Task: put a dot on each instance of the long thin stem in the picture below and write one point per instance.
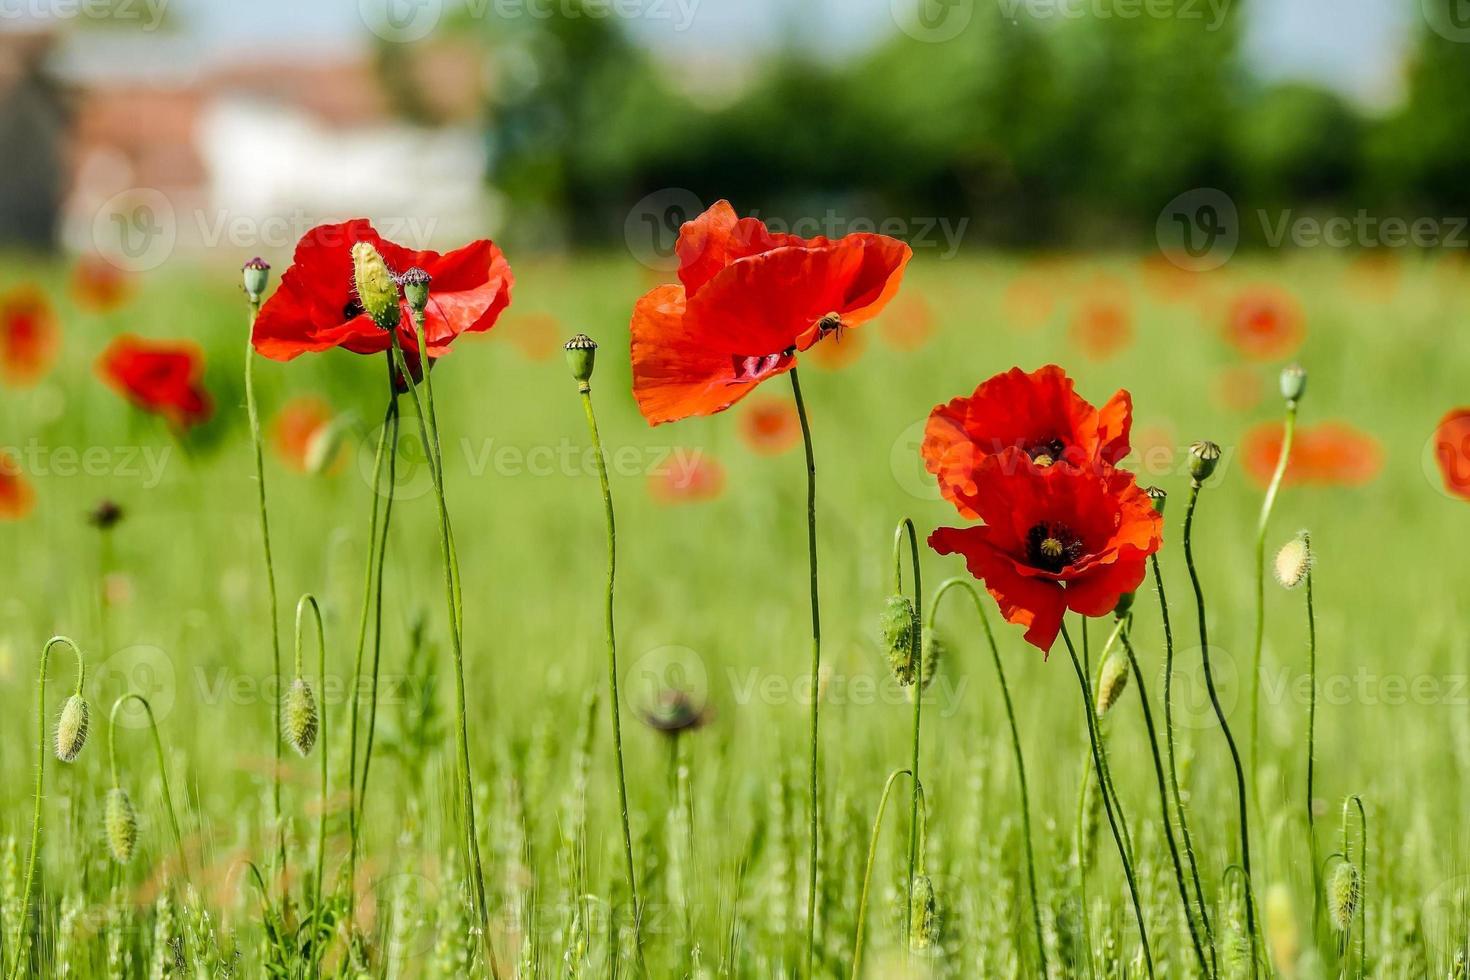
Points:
(1097, 763)
(467, 794)
(916, 654)
(382, 545)
(308, 601)
(1005, 692)
(1199, 891)
(585, 388)
(168, 799)
(1204, 648)
(1356, 800)
(25, 902)
(815, 787)
(1312, 739)
(1153, 744)
(1267, 504)
(857, 945)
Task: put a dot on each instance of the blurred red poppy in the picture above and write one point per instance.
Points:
(29, 336)
(316, 307)
(297, 430)
(1452, 451)
(687, 478)
(17, 498)
(162, 377)
(1053, 538)
(536, 335)
(1238, 388)
(748, 301)
(1328, 454)
(1039, 413)
(1102, 327)
(98, 285)
(1265, 323)
(909, 323)
(770, 426)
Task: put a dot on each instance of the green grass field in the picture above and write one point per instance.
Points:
(712, 597)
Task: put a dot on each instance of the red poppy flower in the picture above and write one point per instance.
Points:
(163, 377)
(1452, 451)
(1329, 454)
(297, 429)
(316, 307)
(1265, 323)
(1039, 413)
(29, 336)
(1053, 538)
(17, 499)
(748, 301)
(98, 285)
(770, 426)
(688, 478)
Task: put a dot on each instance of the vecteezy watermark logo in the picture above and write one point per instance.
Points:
(1211, 12)
(663, 671)
(405, 473)
(144, 670)
(136, 229)
(906, 463)
(1450, 19)
(1446, 456)
(1190, 689)
(932, 21)
(401, 21)
(1199, 229)
(652, 227)
(148, 14)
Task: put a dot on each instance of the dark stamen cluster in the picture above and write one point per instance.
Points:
(1051, 546)
(1047, 452)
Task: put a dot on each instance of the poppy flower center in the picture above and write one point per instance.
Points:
(1046, 453)
(1051, 546)
(755, 366)
(353, 308)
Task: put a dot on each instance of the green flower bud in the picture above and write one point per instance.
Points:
(376, 289)
(935, 650)
(924, 916)
(256, 273)
(1203, 458)
(1112, 683)
(1294, 561)
(120, 821)
(415, 283)
(299, 717)
(71, 729)
(1293, 382)
(1342, 896)
(898, 623)
(581, 357)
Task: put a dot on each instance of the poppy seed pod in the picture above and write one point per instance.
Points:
(256, 274)
(581, 357)
(299, 716)
(1203, 458)
(120, 821)
(1293, 382)
(924, 915)
(1294, 561)
(415, 283)
(1158, 497)
(898, 623)
(71, 729)
(1112, 683)
(376, 289)
(1342, 896)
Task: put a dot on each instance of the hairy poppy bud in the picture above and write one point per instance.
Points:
(898, 623)
(1203, 458)
(581, 357)
(1294, 561)
(120, 821)
(376, 289)
(299, 717)
(1158, 497)
(415, 283)
(71, 729)
(1112, 683)
(1342, 896)
(935, 650)
(256, 274)
(1293, 382)
(924, 916)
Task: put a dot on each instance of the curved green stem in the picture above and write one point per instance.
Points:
(25, 902)
(815, 787)
(168, 799)
(1005, 692)
(857, 949)
(1097, 762)
(308, 601)
(1204, 644)
(1356, 800)
(585, 389)
(1267, 504)
(916, 654)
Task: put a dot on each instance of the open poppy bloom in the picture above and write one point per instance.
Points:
(29, 337)
(1265, 323)
(748, 300)
(162, 377)
(1039, 413)
(16, 496)
(317, 308)
(1452, 451)
(1328, 454)
(1053, 538)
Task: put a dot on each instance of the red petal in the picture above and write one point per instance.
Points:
(1034, 603)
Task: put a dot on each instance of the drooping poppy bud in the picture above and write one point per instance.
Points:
(924, 915)
(299, 717)
(71, 729)
(898, 623)
(1342, 896)
(120, 821)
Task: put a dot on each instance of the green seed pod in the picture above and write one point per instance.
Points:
(415, 283)
(1112, 683)
(1158, 497)
(256, 274)
(898, 623)
(1294, 561)
(581, 357)
(71, 729)
(376, 289)
(120, 821)
(924, 916)
(1342, 896)
(299, 716)
(1203, 458)
(1293, 382)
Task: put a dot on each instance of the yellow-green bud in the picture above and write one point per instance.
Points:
(1112, 683)
(1293, 382)
(256, 273)
(898, 624)
(1203, 458)
(581, 357)
(71, 729)
(924, 915)
(1342, 896)
(120, 821)
(1294, 561)
(376, 289)
(415, 283)
(299, 716)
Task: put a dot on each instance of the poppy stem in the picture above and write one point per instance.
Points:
(1356, 800)
(1268, 503)
(308, 601)
(1204, 645)
(168, 800)
(1005, 692)
(916, 688)
(466, 779)
(23, 912)
(253, 412)
(815, 786)
(1312, 742)
(1199, 891)
(585, 388)
(1100, 769)
(857, 947)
